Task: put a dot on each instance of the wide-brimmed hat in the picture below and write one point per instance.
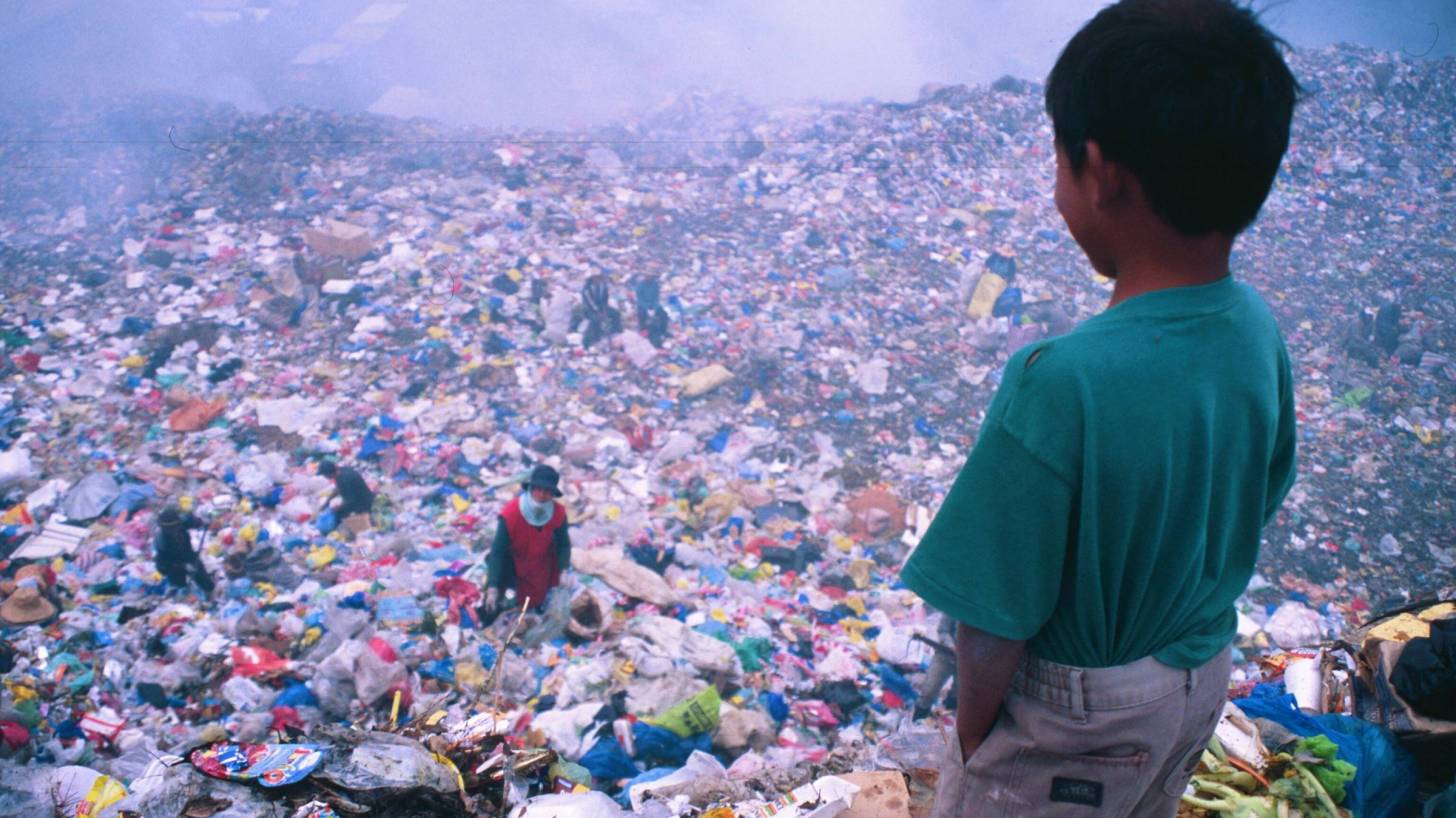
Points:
(544, 477)
(26, 607)
(170, 516)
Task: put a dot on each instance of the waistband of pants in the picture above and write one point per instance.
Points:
(1080, 689)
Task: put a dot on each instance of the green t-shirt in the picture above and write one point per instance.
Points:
(1112, 506)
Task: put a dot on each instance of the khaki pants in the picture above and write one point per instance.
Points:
(357, 523)
(1069, 741)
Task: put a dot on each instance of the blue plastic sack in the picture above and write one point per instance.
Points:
(658, 745)
(895, 683)
(488, 655)
(132, 497)
(1385, 777)
(372, 445)
(775, 705)
(442, 669)
(1007, 303)
(607, 761)
(296, 694)
(1003, 266)
(327, 522)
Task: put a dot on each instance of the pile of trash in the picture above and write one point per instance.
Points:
(807, 313)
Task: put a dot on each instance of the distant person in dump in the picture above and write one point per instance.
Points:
(1093, 545)
(531, 546)
(651, 317)
(355, 496)
(602, 319)
(175, 556)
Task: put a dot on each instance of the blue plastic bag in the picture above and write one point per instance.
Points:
(775, 705)
(1385, 774)
(1008, 303)
(607, 761)
(327, 522)
(488, 655)
(895, 683)
(296, 694)
(442, 669)
(658, 745)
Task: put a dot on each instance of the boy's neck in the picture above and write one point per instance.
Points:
(1163, 258)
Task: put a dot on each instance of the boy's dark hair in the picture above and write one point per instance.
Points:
(326, 468)
(1191, 96)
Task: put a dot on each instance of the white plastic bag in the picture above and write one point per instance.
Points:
(15, 466)
(570, 805)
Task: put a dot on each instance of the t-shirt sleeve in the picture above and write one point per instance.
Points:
(1282, 463)
(993, 557)
(561, 541)
(499, 568)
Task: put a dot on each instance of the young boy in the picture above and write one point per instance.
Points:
(1093, 545)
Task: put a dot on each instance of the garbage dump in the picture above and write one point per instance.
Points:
(754, 363)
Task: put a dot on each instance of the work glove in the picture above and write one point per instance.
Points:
(492, 600)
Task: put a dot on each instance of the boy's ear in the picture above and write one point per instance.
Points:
(1109, 179)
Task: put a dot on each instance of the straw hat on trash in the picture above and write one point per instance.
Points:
(26, 607)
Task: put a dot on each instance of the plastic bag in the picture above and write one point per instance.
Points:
(555, 614)
(390, 765)
(824, 798)
(607, 761)
(15, 466)
(90, 497)
(705, 380)
(565, 728)
(327, 522)
(658, 745)
(624, 575)
(1385, 774)
(983, 299)
(569, 805)
(703, 652)
(83, 791)
(1385, 782)
(696, 714)
(699, 765)
(245, 694)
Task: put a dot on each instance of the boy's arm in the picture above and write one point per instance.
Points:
(985, 665)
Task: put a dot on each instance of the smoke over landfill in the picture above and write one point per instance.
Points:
(308, 305)
(564, 63)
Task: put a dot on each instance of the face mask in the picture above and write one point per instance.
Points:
(537, 514)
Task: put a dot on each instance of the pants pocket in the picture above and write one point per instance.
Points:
(1185, 758)
(1053, 784)
(975, 787)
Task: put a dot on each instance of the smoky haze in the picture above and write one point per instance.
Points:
(566, 63)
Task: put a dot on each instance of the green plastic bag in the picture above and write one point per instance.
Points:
(697, 713)
(753, 653)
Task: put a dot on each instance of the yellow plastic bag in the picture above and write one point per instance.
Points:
(708, 378)
(321, 556)
(988, 289)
